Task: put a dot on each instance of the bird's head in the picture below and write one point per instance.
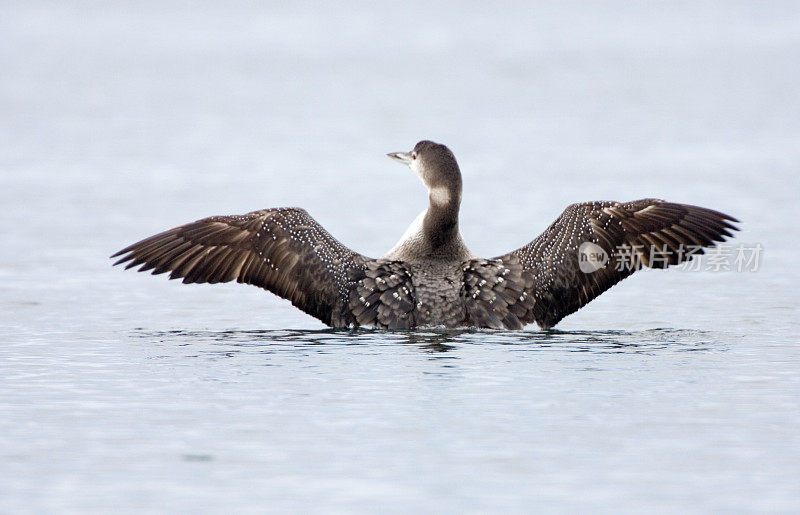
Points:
(436, 165)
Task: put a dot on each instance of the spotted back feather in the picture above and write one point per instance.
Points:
(383, 296)
(496, 293)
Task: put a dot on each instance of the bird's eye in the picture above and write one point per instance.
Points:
(413, 155)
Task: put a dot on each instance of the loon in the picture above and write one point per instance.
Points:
(430, 278)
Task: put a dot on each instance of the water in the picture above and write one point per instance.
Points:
(675, 391)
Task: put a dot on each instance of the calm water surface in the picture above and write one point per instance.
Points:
(674, 392)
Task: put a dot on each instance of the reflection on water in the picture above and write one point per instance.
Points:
(440, 340)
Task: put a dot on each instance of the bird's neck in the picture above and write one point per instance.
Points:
(434, 233)
(440, 224)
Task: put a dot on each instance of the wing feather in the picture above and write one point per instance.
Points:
(659, 233)
(282, 250)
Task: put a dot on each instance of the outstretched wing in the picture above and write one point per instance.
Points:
(281, 250)
(622, 238)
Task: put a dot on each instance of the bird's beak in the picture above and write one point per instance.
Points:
(402, 157)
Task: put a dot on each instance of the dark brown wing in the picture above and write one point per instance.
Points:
(281, 250)
(648, 232)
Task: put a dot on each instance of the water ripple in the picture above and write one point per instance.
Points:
(435, 341)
